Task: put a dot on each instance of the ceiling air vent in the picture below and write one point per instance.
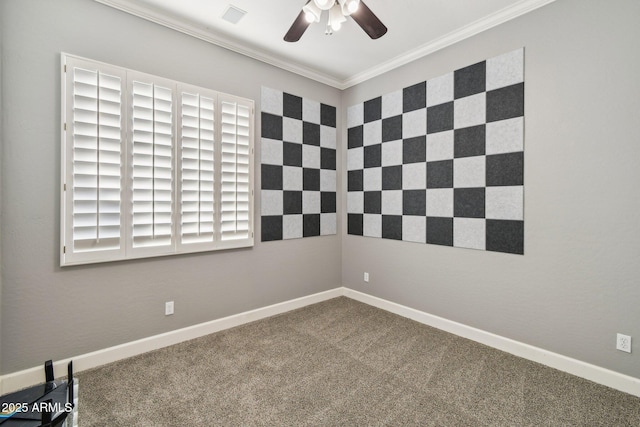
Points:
(233, 14)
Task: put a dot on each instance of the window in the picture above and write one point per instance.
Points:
(151, 166)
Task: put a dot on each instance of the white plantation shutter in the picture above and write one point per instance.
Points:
(92, 162)
(151, 170)
(151, 166)
(236, 133)
(196, 166)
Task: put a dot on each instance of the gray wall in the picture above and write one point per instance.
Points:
(575, 287)
(53, 313)
(578, 282)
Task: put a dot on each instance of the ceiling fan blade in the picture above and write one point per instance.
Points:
(369, 21)
(297, 29)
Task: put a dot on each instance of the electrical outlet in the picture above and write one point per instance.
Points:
(366, 277)
(623, 343)
(168, 308)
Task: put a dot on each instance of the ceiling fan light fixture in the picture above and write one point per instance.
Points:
(336, 18)
(312, 12)
(324, 4)
(349, 6)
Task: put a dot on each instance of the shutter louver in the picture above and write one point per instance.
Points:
(197, 140)
(96, 160)
(152, 165)
(235, 163)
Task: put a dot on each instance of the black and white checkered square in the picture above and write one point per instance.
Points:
(298, 172)
(441, 161)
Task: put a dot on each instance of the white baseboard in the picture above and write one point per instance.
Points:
(575, 367)
(17, 380)
(28, 377)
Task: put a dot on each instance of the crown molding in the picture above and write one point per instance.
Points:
(218, 40)
(453, 37)
(493, 20)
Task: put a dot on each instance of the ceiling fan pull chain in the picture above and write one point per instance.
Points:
(328, 31)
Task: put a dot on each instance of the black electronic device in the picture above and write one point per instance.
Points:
(43, 405)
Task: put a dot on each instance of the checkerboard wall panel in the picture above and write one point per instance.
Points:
(441, 162)
(298, 167)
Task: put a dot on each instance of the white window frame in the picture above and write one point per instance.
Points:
(181, 239)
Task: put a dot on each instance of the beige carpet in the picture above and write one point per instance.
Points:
(345, 363)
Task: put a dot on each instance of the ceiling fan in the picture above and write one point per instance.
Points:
(338, 10)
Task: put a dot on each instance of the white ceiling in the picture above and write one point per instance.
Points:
(349, 56)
